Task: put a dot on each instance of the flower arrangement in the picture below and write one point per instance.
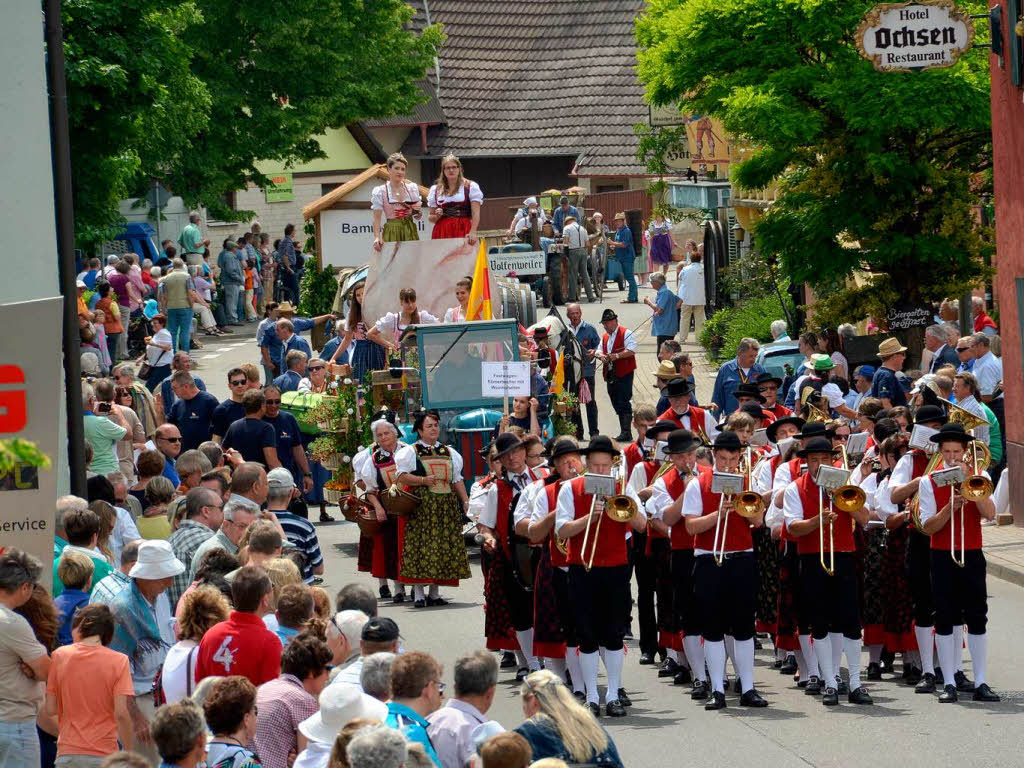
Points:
(565, 406)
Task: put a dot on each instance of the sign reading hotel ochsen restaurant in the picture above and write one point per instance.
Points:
(925, 34)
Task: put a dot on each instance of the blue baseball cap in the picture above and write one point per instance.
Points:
(150, 309)
(867, 371)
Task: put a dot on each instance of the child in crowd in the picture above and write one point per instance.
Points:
(75, 573)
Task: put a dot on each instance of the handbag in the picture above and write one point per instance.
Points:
(144, 371)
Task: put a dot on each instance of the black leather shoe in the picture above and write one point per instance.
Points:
(948, 695)
(984, 693)
(757, 645)
(927, 684)
(802, 683)
(831, 697)
(595, 710)
(913, 676)
(508, 660)
(682, 676)
(813, 686)
(963, 683)
(859, 696)
(624, 700)
(398, 598)
(737, 687)
(699, 691)
(615, 709)
(843, 687)
(385, 592)
(432, 601)
(325, 518)
(521, 674)
(419, 603)
(940, 679)
(717, 701)
(752, 699)
(646, 659)
(874, 671)
(777, 664)
(788, 666)
(581, 697)
(668, 669)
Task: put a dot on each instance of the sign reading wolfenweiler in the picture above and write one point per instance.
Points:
(926, 34)
(522, 263)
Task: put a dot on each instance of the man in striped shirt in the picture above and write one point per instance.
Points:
(300, 532)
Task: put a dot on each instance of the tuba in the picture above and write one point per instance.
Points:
(619, 507)
(962, 416)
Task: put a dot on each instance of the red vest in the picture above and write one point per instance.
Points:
(779, 411)
(611, 543)
(921, 460)
(972, 522)
(558, 560)
(697, 419)
(501, 529)
(769, 417)
(624, 365)
(842, 527)
(676, 486)
(737, 535)
(634, 455)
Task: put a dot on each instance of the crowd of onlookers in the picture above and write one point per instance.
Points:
(219, 654)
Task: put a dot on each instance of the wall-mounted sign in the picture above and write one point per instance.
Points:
(280, 189)
(903, 318)
(528, 263)
(348, 236)
(665, 115)
(926, 34)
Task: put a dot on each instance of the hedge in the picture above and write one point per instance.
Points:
(750, 317)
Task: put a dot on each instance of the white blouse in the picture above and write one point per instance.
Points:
(391, 322)
(476, 195)
(454, 315)
(405, 459)
(383, 192)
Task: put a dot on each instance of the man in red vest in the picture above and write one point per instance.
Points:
(687, 416)
(666, 506)
(958, 564)
(617, 354)
(768, 385)
(904, 483)
(829, 600)
(598, 573)
(724, 580)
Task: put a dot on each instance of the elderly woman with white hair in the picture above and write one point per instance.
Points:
(377, 747)
(375, 469)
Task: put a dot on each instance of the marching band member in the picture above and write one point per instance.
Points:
(651, 559)
(686, 416)
(665, 507)
(768, 385)
(750, 394)
(599, 594)
(904, 484)
(727, 602)
(959, 592)
(375, 467)
(509, 596)
(431, 549)
(554, 625)
(617, 354)
(829, 601)
(640, 449)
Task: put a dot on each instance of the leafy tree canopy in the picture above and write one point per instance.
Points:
(878, 172)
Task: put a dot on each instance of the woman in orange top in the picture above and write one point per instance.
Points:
(111, 318)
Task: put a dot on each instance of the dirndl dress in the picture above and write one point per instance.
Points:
(767, 553)
(873, 616)
(457, 216)
(400, 225)
(431, 549)
(367, 355)
(661, 249)
(899, 610)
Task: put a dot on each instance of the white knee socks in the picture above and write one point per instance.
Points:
(744, 659)
(947, 659)
(836, 639)
(978, 645)
(525, 638)
(925, 646)
(433, 593)
(521, 660)
(695, 655)
(572, 661)
(613, 666)
(588, 665)
(958, 646)
(715, 653)
(852, 649)
(810, 657)
(417, 592)
(828, 677)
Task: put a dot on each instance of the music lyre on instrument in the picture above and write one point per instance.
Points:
(618, 506)
(728, 486)
(834, 483)
(953, 477)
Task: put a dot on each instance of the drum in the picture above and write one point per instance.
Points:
(399, 502)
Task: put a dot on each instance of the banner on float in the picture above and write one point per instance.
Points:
(523, 263)
(347, 235)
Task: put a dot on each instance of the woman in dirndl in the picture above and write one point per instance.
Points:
(459, 314)
(659, 232)
(430, 545)
(398, 202)
(454, 203)
(367, 355)
(375, 468)
(387, 332)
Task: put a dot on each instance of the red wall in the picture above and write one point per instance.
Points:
(1008, 156)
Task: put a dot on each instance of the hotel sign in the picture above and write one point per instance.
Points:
(926, 34)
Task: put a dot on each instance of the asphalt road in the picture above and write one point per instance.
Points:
(664, 726)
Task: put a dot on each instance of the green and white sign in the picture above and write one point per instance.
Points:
(280, 189)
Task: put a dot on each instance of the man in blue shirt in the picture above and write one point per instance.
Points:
(165, 392)
(884, 384)
(626, 254)
(665, 324)
(965, 355)
(416, 692)
(741, 370)
(252, 436)
(289, 440)
(563, 211)
(295, 361)
(232, 280)
(287, 261)
(587, 336)
(192, 412)
(230, 410)
(290, 339)
(168, 441)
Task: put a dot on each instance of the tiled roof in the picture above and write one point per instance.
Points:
(428, 112)
(537, 78)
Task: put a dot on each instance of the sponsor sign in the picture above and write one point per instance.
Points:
(280, 189)
(927, 34)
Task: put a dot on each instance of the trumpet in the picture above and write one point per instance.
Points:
(619, 507)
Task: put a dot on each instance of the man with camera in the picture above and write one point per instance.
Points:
(104, 426)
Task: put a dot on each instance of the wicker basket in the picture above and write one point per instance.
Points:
(334, 496)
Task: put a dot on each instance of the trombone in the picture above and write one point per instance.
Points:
(620, 508)
(748, 504)
(846, 498)
(975, 487)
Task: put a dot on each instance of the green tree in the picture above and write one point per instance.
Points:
(879, 173)
(279, 73)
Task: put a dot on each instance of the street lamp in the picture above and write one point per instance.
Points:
(738, 232)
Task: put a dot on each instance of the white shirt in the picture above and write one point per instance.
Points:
(903, 472)
(156, 356)
(359, 469)
(690, 284)
(661, 499)
(832, 393)
(454, 315)
(477, 494)
(693, 506)
(988, 370)
(762, 477)
(489, 509)
(792, 506)
(317, 754)
(391, 322)
(565, 511)
(628, 340)
(926, 499)
(575, 235)
(381, 193)
(882, 502)
(124, 531)
(476, 195)
(405, 460)
(524, 507)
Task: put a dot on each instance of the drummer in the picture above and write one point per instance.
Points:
(375, 468)
(430, 545)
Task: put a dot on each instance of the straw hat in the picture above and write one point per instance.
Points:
(890, 347)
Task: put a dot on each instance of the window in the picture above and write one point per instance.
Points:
(325, 188)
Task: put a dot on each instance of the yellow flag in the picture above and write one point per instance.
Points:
(480, 294)
(558, 380)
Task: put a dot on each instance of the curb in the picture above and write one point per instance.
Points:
(1004, 572)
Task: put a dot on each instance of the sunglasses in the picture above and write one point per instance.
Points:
(440, 687)
(273, 402)
(316, 368)
(171, 439)
(962, 349)
(238, 382)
